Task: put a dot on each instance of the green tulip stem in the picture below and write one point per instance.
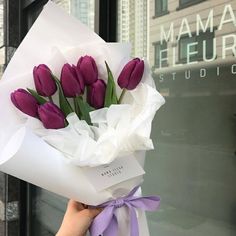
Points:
(121, 96)
(76, 106)
(50, 99)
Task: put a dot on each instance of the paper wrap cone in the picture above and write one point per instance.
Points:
(36, 162)
(55, 39)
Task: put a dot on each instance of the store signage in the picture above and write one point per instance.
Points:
(223, 44)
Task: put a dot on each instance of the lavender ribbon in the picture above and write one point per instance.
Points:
(106, 222)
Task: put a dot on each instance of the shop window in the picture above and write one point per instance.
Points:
(196, 47)
(161, 7)
(160, 54)
(187, 3)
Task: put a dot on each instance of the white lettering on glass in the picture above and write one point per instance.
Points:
(162, 58)
(173, 75)
(161, 78)
(228, 47)
(191, 52)
(203, 72)
(208, 25)
(205, 51)
(184, 29)
(233, 69)
(169, 35)
(187, 74)
(217, 70)
(227, 10)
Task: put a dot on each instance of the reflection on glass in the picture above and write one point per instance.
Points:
(160, 50)
(132, 26)
(186, 3)
(84, 11)
(81, 9)
(196, 46)
(161, 7)
(193, 167)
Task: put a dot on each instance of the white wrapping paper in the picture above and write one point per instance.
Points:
(50, 158)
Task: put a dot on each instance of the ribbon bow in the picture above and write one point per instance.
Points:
(106, 223)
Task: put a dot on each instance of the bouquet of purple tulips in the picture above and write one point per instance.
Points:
(80, 83)
(83, 121)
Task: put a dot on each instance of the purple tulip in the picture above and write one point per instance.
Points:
(71, 81)
(25, 102)
(44, 83)
(96, 94)
(88, 68)
(131, 74)
(51, 116)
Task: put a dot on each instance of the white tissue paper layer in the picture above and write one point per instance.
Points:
(53, 159)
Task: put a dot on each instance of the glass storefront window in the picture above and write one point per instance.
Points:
(132, 26)
(197, 45)
(81, 9)
(160, 50)
(189, 2)
(193, 165)
(161, 7)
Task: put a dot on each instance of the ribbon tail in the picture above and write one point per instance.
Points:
(112, 229)
(134, 227)
(102, 221)
(150, 203)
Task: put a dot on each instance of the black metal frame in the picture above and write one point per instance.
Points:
(108, 20)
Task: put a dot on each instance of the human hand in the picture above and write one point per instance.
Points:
(77, 219)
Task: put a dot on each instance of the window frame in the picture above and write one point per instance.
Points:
(189, 4)
(160, 13)
(157, 62)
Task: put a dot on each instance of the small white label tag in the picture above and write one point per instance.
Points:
(121, 169)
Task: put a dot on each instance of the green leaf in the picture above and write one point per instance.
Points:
(110, 97)
(84, 109)
(40, 99)
(88, 107)
(64, 104)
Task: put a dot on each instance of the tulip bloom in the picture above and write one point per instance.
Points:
(51, 116)
(96, 94)
(71, 81)
(88, 68)
(25, 102)
(131, 74)
(44, 83)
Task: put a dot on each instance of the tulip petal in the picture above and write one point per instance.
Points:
(88, 68)
(71, 81)
(96, 94)
(44, 83)
(51, 116)
(136, 76)
(131, 74)
(25, 102)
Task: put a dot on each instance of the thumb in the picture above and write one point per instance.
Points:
(91, 212)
